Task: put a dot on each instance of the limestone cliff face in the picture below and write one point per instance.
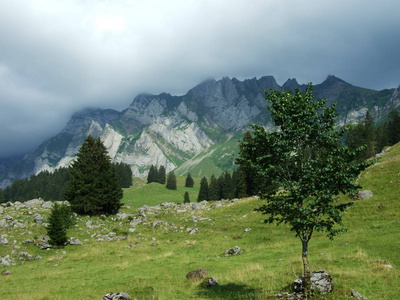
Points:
(180, 132)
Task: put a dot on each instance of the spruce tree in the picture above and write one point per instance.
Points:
(189, 181)
(60, 220)
(94, 187)
(239, 183)
(203, 192)
(171, 181)
(2, 198)
(186, 198)
(151, 176)
(213, 189)
(161, 175)
(124, 172)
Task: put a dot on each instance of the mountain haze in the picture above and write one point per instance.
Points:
(196, 132)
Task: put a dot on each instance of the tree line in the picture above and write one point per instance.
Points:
(51, 185)
(373, 138)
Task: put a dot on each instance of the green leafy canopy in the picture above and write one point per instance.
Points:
(304, 161)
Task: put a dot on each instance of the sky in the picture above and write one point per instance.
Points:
(59, 57)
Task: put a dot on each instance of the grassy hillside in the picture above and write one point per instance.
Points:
(151, 263)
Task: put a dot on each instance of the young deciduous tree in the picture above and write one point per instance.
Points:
(306, 164)
(94, 187)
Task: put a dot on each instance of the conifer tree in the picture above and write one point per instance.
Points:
(2, 198)
(94, 187)
(213, 189)
(161, 175)
(151, 176)
(171, 181)
(60, 220)
(203, 192)
(124, 172)
(189, 181)
(239, 184)
(186, 198)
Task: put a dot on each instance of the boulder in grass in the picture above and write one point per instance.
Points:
(197, 275)
(116, 296)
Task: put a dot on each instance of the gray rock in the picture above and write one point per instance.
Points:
(48, 205)
(233, 251)
(3, 223)
(25, 256)
(210, 282)
(197, 274)
(320, 281)
(74, 241)
(365, 194)
(1, 210)
(3, 239)
(193, 231)
(116, 296)
(43, 242)
(6, 272)
(34, 203)
(6, 260)
(357, 295)
(38, 219)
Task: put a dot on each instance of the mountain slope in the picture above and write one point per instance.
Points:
(196, 132)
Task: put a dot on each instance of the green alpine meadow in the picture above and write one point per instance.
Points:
(148, 248)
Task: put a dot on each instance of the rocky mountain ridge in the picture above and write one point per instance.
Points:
(196, 132)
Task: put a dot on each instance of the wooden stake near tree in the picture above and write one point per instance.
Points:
(308, 167)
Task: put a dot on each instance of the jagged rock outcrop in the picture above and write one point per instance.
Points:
(183, 132)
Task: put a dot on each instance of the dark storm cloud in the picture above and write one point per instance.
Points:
(57, 57)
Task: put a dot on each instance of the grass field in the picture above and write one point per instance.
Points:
(153, 261)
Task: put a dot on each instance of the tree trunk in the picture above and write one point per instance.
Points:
(306, 266)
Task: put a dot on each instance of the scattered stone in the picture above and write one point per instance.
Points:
(357, 295)
(3, 239)
(28, 241)
(43, 242)
(247, 229)
(116, 296)
(289, 296)
(1, 210)
(74, 241)
(320, 281)
(233, 251)
(25, 256)
(3, 223)
(34, 203)
(6, 272)
(154, 244)
(389, 266)
(48, 205)
(197, 274)
(38, 219)
(6, 260)
(210, 282)
(365, 194)
(193, 231)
